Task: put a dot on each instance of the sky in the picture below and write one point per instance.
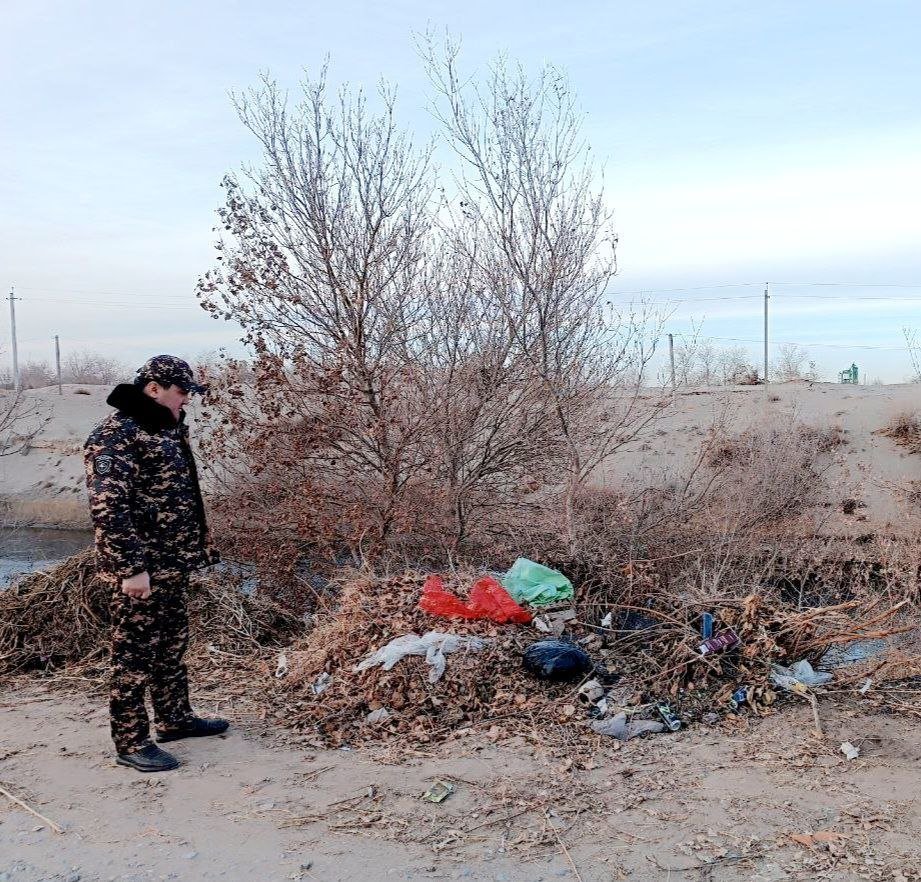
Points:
(743, 143)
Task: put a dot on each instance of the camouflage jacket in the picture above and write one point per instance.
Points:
(145, 499)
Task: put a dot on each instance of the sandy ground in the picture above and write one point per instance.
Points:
(708, 804)
(45, 487)
(869, 467)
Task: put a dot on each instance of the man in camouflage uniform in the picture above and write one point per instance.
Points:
(150, 534)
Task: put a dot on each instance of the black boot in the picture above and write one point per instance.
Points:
(197, 727)
(148, 758)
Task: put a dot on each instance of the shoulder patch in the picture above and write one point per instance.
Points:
(102, 464)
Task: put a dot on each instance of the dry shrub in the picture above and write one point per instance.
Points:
(905, 430)
(60, 618)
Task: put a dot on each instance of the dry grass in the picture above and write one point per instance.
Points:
(60, 618)
(905, 430)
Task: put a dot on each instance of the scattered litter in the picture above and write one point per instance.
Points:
(724, 640)
(439, 791)
(433, 645)
(533, 583)
(710, 718)
(798, 677)
(803, 672)
(739, 697)
(849, 750)
(488, 600)
(556, 660)
(865, 688)
(381, 715)
(607, 620)
(618, 727)
(591, 692)
(320, 685)
(706, 626)
(282, 667)
(669, 717)
(555, 622)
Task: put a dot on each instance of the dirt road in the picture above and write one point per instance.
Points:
(709, 804)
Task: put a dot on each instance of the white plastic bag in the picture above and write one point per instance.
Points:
(433, 645)
(799, 672)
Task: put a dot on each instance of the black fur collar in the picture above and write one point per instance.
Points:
(147, 413)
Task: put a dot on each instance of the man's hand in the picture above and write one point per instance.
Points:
(137, 586)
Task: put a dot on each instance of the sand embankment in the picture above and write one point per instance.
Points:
(45, 485)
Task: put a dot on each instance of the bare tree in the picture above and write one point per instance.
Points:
(21, 420)
(793, 363)
(492, 432)
(93, 368)
(914, 352)
(735, 367)
(35, 374)
(529, 196)
(323, 259)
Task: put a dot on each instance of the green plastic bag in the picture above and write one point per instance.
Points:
(533, 583)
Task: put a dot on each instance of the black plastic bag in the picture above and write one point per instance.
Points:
(556, 660)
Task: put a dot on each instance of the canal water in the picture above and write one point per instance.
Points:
(24, 549)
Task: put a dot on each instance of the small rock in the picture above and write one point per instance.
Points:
(73, 877)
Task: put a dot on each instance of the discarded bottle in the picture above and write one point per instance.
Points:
(706, 626)
(724, 640)
(739, 697)
(664, 710)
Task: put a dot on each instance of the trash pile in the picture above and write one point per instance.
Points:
(408, 656)
(421, 658)
(59, 618)
(384, 664)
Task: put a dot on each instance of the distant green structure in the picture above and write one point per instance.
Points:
(849, 375)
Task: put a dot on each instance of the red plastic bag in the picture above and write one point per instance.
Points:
(488, 600)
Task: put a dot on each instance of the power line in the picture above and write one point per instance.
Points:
(93, 291)
(114, 304)
(803, 343)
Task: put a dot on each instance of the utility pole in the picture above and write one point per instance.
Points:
(57, 361)
(766, 298)
(13, 299)
(671, 357)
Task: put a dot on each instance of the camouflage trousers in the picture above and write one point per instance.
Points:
(149, 639)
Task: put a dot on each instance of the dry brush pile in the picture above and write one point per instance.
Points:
(59, 619)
